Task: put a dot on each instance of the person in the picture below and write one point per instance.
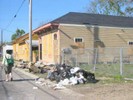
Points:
(8, 66)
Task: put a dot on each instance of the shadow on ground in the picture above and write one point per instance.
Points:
(18, 80)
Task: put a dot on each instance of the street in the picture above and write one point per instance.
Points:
(23, 87)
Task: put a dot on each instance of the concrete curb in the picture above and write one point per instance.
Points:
(26, 73)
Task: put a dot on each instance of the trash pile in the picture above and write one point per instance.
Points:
(67, 75)
(63, 74)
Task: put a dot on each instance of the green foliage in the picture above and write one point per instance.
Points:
(111, 7)
(13, 36)
(17, 34)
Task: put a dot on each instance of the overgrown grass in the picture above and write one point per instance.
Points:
(110, 71)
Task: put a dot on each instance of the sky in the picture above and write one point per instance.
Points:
(43, 11)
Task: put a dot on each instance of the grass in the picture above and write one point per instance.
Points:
(110, 72)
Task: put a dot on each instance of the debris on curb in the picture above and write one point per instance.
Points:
(35, 88)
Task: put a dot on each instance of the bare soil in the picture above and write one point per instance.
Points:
(110, 91)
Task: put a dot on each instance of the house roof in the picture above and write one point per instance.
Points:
(95, 19)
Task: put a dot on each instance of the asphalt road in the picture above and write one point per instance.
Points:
(23, 87)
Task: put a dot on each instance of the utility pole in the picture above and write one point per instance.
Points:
(30, 30)
(1, 37)
(1, 42)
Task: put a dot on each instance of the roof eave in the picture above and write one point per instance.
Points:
(45, 27)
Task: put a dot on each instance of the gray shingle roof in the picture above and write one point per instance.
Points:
(95, 19)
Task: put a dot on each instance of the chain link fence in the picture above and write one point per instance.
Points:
(103, 61)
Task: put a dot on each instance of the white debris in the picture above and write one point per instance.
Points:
(58, 86)
(73, 80)
(39, 81)
(35, 88)
(74, 70)
(64, 82)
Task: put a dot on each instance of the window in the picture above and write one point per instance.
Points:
(78, 39)
(130, 42)
(55, 36)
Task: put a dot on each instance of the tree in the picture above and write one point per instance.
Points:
(17, 34)
(14, 36)
(111, 7)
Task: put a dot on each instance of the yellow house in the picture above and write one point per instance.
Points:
(83, 30)
(21, 47)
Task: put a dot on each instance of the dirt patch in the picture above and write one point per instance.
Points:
(111, 91)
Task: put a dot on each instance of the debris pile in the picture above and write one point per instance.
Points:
(62, 74)
(67, 75)
(21, 64)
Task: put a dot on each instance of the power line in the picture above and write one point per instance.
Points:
(6, 30)
(15, 15)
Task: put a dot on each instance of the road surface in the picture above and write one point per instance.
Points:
(23, 87)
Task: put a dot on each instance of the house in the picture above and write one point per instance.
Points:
(6, 47)
(83, 30)
(21, 47)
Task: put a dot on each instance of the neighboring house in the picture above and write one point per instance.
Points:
(82, 30)
(21, 47)
(6, 47)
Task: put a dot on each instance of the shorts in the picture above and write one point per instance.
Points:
(8, 69)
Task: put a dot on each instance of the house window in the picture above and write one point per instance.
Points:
(55, 36)
(130, 42)
(78, 39)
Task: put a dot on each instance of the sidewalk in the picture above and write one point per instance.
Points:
(26, 73)
(39, 80)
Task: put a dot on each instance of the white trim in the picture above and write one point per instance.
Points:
(79, 37)
(95, 26)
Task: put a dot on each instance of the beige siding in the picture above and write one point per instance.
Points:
(96, 36)
(115, 37)
(92, 37)
(68, 33)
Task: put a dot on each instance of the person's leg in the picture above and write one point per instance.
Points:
(7, 77)
(6, 74)
(10, 73)
(10, 76)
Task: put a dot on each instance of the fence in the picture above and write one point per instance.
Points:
(104, 61)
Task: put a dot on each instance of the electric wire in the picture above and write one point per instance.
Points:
(15, 15)
(6, 30)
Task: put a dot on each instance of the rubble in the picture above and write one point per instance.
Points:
(35, 88)
(58, 87)
(61, 74)
(21, 64)
(74, 74)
